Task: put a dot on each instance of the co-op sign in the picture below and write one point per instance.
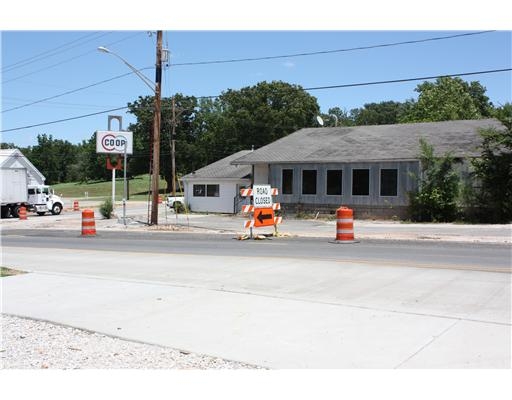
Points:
(114, 142)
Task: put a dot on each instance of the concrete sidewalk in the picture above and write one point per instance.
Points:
(225, 223)
(284, 313)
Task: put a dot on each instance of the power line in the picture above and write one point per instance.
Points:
(52, 52)
(314, 53)
(233, 61)
(72, 91)
(313, 88)
(67, 60)
(64, 120)
(407, 79)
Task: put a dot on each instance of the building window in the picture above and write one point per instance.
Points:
(287, 181)
(309, 181)
(199, 190)
(360, 182)
(389, 182)
(206, 190)
(212, 190)
(334, 182)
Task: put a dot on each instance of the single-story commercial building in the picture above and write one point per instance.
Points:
(14, 159)
(216, 187)
(368, 168)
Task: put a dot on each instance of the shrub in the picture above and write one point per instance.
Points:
(436, 197)
(106, 209)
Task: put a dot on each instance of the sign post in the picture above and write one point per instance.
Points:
(120, 143)
(262, 207)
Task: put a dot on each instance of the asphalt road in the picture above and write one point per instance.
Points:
(444, 255)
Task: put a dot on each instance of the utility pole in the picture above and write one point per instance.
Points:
(173, 148)
(156, 131)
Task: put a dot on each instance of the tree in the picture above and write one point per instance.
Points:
(255, 116)
(336, 114)
(436, 197)
(448, 99)
(383, 113)
(53, 157)
(186, 138)
(492, 197)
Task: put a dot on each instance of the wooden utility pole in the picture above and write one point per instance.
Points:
(156, 131)
(173, 148)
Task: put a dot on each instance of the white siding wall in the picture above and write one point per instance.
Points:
(221, 204)
(261, 174)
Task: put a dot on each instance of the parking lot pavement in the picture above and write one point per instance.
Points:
(233, 224)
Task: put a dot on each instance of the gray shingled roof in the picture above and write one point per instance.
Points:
(222, 169)
(372, 143)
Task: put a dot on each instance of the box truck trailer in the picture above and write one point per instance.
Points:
(17, 193)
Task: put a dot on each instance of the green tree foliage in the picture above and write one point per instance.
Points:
(438, 188)
(448, 99)
(187, 154)
(55, 158)
(492, 196)
(383, 113)
(504, 114)
(258, 115)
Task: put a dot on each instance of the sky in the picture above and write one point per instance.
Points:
(66, 68)
(52, 71)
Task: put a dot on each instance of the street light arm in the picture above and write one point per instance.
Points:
(144, 78)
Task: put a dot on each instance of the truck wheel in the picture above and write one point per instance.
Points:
(56, 209)
(5, 212)
(15, 211)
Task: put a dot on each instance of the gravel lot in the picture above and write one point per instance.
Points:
(30, 344)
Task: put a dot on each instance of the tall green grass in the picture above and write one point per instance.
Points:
(138, 188)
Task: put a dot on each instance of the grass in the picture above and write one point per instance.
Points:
(138, 188)
(4, 271)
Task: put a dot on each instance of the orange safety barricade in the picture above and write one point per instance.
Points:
(22, 213)
(344, 224)
(88, 223)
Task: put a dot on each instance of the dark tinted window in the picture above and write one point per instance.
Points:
(287, 182)
(212, 190)
(388, 182)
(360, 182)
(309, 181)
(334, 182)
(199, 191)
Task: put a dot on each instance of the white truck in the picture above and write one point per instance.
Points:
(175, 201)
(42, 199)
(16, 193)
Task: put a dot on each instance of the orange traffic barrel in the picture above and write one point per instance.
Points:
(88, 224)
(22, 213)
(75, 206)
(344, 225)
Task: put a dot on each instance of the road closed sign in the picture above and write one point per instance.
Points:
(114, 142)
(262, 196)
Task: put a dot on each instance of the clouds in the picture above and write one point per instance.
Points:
(288, 64)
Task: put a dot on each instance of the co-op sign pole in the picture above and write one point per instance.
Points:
(116, 142)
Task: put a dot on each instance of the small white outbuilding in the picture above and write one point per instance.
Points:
(14, 158)
(216, 187)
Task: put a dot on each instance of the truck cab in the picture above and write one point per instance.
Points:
(42, 199)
